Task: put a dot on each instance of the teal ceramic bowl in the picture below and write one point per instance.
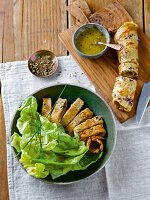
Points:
(90, 26)
(99, 107)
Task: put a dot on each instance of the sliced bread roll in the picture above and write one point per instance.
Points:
(128, 69)
(123, 93)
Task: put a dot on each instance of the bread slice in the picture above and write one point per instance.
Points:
(123, 93)
(59, 110)
(81, 117)
(72, 112)
(128, 69)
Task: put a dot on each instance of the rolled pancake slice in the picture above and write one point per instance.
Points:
(72, 112)
(128, 69)
(127, 31)
(95, 149)
(88, 123)
(59, 110)
(46, 108)
(129, 53)
(81, 117)
(95, 130)
(123, 93)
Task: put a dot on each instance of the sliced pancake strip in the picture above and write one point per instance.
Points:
(88, 123)
(95, 130)
(59, 110)
(81, 117)
(46, 108)
(123, 93)
(128, 70)
(72, 112)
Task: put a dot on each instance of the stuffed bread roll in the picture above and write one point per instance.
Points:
(128, 70)
(127, 36)
(127, 31)
(128, 41)
(129, 53)
(46, 108)
(59, 110)
(123, 93)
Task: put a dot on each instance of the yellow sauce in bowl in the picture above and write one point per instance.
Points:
(85, 42)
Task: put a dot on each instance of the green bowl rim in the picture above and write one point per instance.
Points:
(95, 55)
(115, 134)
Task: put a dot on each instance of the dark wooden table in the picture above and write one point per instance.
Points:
(29, 25)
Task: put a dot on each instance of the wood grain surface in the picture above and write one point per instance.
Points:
(146, 17)
(29, 25)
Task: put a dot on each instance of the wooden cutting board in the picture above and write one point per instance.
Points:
(102, 72)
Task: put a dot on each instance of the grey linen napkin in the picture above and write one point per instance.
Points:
(126, 176)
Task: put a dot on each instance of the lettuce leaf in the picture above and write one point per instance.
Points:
(60, 152)
(28, 121)
(15, 141)
(31, 102)
(86, 161)
(57, 171)
(37, 170)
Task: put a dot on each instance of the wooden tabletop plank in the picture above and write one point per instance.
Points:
(2, 14)
(8, 36)
(36, 26)
(135, 9)
(3, 157)
(71, 19)
(147, 17)
(17, 28)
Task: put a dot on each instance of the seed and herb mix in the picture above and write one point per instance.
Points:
(42, 66)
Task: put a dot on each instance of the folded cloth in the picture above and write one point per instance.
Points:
(126, 176)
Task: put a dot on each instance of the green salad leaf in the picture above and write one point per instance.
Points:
(60, 152)
(31, 102)
(37, 169)
(15, 141)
